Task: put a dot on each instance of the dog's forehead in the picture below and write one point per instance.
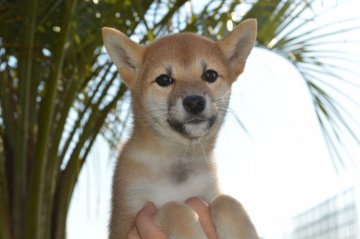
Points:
(183, 47)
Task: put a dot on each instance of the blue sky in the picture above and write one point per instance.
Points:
(277, 170)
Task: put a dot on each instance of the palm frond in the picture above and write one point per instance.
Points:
(318, 52)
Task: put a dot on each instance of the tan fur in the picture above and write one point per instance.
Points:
(168, 157)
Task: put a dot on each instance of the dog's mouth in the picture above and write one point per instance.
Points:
(192, 127)
(195, 120)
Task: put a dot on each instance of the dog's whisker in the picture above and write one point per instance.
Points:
(202, 148)
(159, 109)
(193, 152)
(222, 99)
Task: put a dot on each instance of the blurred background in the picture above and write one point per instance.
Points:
(289, 149)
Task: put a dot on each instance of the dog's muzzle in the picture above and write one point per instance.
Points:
(203, 124)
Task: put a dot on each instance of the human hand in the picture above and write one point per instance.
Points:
(145, 227)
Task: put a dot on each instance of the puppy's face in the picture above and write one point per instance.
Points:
(181, 83)
(183, 86)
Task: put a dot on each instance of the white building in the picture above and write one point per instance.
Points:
(335, 218)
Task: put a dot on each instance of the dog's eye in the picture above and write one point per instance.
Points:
(164, 80)
(210, 76)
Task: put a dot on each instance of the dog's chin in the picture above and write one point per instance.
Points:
(194, 128)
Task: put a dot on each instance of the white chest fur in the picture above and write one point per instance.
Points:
(163, 189)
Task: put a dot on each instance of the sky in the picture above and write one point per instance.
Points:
(283, 167)
(280, 168)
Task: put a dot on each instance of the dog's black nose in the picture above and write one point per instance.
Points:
(194, 104)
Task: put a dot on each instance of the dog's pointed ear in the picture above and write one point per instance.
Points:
(238, 45)
(126, 54)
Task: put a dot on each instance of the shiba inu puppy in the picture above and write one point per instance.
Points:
(180, 87)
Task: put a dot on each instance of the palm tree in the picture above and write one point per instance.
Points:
(59, 91)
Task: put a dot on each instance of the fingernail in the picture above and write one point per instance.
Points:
(149, 204)
(150, 207)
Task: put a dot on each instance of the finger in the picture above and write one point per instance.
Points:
(203, 210)
(145, 223)
(133, 234)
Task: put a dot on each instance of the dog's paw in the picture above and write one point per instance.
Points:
(230, 219)
(179, 221)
